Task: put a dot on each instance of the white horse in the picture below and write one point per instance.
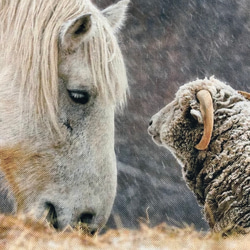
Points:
(62, 76)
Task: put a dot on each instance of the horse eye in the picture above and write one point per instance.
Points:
(78, 96)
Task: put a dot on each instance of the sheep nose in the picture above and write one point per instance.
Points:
(60, 219)
(151, 129)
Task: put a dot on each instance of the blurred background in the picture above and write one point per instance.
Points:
(167, 43)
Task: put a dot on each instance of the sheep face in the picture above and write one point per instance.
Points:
(169, 126)
(177, 125)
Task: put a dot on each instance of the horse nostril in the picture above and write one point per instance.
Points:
(84, 223)
(93, 232)
(151, 129)
(52, 215)
(86, 218)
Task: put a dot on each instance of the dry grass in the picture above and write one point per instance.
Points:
(22, 233)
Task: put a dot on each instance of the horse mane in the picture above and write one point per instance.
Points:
(29, 42)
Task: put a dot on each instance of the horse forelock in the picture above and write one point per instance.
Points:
(29, 33)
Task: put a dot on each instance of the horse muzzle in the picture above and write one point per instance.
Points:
(62, 217)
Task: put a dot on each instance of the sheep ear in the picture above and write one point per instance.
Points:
(116, 14)
(75, 31)
(197, 115)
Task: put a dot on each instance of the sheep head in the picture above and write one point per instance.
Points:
(178, 125)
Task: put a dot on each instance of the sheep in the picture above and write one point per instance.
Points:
(207, 129)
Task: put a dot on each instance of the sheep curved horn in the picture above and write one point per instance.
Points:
(207, 112)
(245, 94)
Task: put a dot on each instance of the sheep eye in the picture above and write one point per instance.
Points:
(78, 96)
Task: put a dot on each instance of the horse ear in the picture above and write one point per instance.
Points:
(116, 14)
(75, 31)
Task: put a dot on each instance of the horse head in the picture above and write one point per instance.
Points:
(57, 144)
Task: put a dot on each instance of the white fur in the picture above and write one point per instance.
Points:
(61, 152)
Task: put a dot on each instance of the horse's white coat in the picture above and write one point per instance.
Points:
(73, 168)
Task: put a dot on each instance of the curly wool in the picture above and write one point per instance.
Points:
(220, 175)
